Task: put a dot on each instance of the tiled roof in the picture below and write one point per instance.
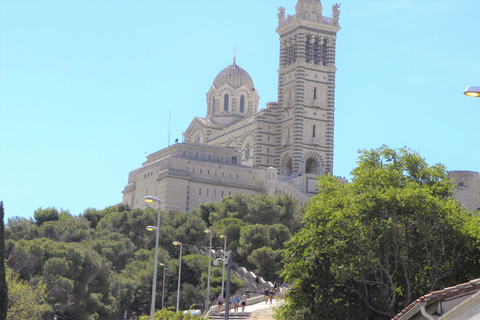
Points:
(441, 295)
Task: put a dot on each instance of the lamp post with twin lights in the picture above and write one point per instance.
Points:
(224, 253)
(209, 262)
(150, 199)
(163, 286)
(178, 243)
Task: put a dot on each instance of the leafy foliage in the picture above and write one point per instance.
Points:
(167, 314)
(99, 264)
(25, 301)
(370, 247)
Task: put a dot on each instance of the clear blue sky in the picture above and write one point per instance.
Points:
(86, 86)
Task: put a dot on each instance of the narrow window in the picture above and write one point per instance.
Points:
(324, 54)
(234, 160)
(225, 102)
(199, 191)
(247, 152)
(313, 131)
(242, 103)
(315, 93)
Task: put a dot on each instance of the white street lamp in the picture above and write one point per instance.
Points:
(150, 199)
(472, 91)
(209, 262)
(177, 243)
(224, 252)
(163, 283)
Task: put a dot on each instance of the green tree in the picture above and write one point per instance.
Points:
(77, 278)
(267, 261)
(230, 227)
(3, 279)
(370, 247)
(44, 215)
(26, 301)
(167, 314)
(20, 228)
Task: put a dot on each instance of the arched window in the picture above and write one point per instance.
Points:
(225, 102)
(289, 167)
(247, 152)
(242, 103)
(324, 54)
(310, 166)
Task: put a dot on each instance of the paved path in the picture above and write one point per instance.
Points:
(258, 311)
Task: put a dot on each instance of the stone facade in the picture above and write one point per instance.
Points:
(280, 149)
(467, 188)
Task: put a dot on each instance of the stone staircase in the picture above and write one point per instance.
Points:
(218, 316)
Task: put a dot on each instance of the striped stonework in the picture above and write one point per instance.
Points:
(236, 148)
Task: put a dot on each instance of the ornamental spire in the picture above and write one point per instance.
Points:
(234, 59)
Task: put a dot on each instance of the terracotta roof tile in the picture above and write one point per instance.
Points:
(441, 294)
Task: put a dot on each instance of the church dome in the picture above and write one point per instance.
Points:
(234, 76)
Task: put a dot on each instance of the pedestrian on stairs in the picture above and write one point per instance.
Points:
(236, 303)
(244, 303)
(220, 302)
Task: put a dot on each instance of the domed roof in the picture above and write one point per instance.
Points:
(234, 76)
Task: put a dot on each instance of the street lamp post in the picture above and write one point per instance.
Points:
(209, 262)
(177, 243)
(150, 199)
(163, 283)
(224, 252)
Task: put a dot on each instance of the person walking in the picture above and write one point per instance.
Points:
(220, 302)
(236, 303)
(244, 303)
(266, 294)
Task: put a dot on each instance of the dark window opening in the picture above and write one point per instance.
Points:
(225, 102)
(242, 103)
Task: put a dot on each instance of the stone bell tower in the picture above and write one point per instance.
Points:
(306, 89)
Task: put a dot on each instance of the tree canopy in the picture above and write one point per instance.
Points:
(99, 264)
(370, 247)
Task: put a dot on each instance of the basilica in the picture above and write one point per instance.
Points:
(237, 148)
